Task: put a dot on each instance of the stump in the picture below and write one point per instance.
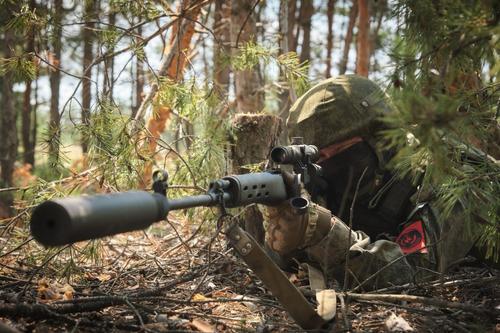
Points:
(253, 136)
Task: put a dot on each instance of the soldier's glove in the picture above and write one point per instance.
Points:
(288, 230)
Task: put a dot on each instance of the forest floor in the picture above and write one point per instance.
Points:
(178, 278)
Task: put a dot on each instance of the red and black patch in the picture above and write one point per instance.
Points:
(412, 238)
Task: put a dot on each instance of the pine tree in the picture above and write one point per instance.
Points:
(353, 14)
(362, 38)
(28, 116)
(55, 83)
(447, 95)
(87, 35)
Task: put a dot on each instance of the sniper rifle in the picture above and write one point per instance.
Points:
(64, 221)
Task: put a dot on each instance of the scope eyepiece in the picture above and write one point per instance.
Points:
(294, 153)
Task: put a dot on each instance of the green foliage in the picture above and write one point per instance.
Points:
(252, 54)
(23, 20)
(22, 67)
(51, 143)
(45, 171)
(204, 160)
(137, 8)
(446, 111)
(111, 148)
(448, 37)
(109, 37)
(203, 157)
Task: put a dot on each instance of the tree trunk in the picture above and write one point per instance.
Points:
(292, 21)
(306, 12)
(363, 39)
(87, 34)
(253, 136)
(374, 33)
(330, 12)
(8, 148)
(34, 123)
(252, 133)
(222, 49)
(8, 127)
(248, 87)
(286, 96)
(27, 114)
(139, 80)
(28, 148)
(172, 67)
(55, 82)
(109, 63)
(353, 14)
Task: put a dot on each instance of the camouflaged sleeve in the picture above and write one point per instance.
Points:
(287, 230)
(374, 265)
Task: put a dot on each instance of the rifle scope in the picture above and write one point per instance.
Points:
(295, 153)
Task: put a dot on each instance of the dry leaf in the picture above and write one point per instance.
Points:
(103, 277)
(200, 298)
(202, 326)
(22, 175)
(48, 291)
(68, 292)
(397, 324)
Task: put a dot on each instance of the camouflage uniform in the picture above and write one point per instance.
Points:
(341, 116)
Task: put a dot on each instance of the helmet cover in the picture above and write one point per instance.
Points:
(337, 109)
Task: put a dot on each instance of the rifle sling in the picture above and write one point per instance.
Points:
(274, 279)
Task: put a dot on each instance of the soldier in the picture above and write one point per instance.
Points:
(398, 238)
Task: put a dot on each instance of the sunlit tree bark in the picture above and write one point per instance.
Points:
(353, 14)
(330, 12)
(291, 23)
(306, 13)
(139, 80)
(172, 68)
(248, 86)
(363, 39)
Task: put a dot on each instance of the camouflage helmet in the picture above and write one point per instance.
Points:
(337, 109)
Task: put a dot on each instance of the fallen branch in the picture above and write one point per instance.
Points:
(423, 300)
(438, 284)
(55, 182)
(35, 311)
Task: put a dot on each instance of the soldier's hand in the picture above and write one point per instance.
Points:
(287, 229)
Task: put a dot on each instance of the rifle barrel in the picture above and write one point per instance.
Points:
(195, 201)
(68, 220)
